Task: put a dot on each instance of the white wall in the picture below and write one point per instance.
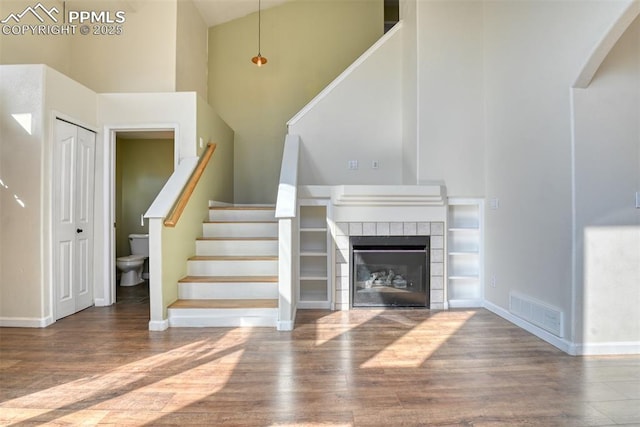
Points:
(358, 119)
(20, 226)
(494, 120)
(450, 95)
(25, 169)
(607, 175)
(409, 91)
(533, 53)
(137, 111)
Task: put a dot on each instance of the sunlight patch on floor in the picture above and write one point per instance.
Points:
(419, 343)
(339, 323)
(92, 397)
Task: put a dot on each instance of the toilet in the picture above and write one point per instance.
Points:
(131, 266)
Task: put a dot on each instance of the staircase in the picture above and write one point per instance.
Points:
(233, 278)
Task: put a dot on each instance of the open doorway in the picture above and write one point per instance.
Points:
(143, 162)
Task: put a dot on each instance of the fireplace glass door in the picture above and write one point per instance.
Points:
(390, 271)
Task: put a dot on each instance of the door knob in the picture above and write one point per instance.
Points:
(79, 230)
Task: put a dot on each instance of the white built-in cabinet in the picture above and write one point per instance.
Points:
(464, 250)
(314, 290)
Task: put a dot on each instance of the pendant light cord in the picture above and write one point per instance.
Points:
(259, 24)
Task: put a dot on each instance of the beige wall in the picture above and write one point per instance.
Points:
(54, 51)
(142, 168)
(191, 50)
(141, 59)
(211, 128)
(308, 44)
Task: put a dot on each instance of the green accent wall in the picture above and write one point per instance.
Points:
(142, 168)
(308, 43)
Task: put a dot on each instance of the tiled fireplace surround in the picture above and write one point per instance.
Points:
(343, 230)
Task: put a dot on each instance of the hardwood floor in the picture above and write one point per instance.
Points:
(364, 368)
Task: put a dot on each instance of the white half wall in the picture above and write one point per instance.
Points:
(358, 118)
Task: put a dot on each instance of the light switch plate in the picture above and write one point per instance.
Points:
(637, 199)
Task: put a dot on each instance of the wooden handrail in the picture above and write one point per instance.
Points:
(176, 212)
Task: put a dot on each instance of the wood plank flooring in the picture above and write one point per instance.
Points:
(359, 368)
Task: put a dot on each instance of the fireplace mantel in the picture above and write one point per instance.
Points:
(380, 210)
(388, 195)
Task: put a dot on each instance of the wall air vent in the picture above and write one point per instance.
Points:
(538, 313)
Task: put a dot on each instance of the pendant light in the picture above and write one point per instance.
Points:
(259, 60)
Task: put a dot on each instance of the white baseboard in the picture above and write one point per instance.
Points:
(588, 349)
(285, 325)
(213, 203)
(100, 302)
(560, 343)
(608, 348)
(159, 325)
(26, 322)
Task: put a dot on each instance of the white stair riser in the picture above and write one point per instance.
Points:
(232, 268)
(242, 215)
(237, 247)
(244, 290)
(240, 229)
(211, 317)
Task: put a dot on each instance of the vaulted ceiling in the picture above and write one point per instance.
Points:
(217, 12)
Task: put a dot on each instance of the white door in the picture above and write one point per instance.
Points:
(73, 177)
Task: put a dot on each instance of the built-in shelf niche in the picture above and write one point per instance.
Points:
(464, 251)
(314, 288)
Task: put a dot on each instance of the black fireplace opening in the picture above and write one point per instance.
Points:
(389, 271)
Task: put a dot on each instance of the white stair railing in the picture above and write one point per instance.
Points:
(286, 212)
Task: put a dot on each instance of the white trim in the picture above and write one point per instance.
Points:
(72, 120)
(108, 182)
(350, 69)
(48, 216)
(465, 303)
(607, 348)
(159, 325)
(285, 325)
(26, 322)
(561, 344)
(573, 316)
(214, 203)
(286, 203)
(389, 195)
(100, 302)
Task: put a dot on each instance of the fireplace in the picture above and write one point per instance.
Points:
(390, 271)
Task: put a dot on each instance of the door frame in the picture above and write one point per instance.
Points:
(58, 115)
(109, 197)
